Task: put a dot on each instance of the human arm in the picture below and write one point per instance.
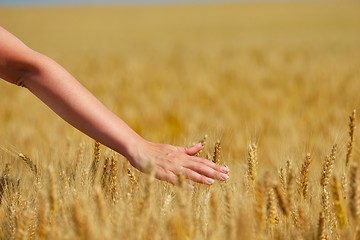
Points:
(57, 88)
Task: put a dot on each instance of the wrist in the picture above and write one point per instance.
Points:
(132, 146)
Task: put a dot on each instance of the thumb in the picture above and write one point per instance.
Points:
(192, 150)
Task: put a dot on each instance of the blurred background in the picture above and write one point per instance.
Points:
(283, 74)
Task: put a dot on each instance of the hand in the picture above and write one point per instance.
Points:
(170, 161)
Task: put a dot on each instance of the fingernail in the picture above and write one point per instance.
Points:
(224, 176)
(209, 181)
(225, 169)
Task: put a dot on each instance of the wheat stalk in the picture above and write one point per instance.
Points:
(41, 216)
(282, 200)
(96, 161)
(217, 153)
(354, 198)
(132, 177)
(259, 205)
(29, 163)
(338, 203)
(203, 143)
(271, 209)
(113, 180)
(106, 175)
(304, 177)
(322, 227)
(214, 205)
(228, 216)
(283, 180)
(5, 181)
(82, 228)
(101, 205)
(328, 167)
(325, 203)
(352, 137)
(52, 190)
(252, 164)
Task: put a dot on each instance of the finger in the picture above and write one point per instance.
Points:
(164, 175)
(206, 162)
(192, 150)
(206, 170)
(172, 178)
(196, 177)
(192, 175)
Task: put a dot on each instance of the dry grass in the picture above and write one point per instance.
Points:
(281, 78)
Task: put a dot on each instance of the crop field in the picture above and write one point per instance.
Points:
(274, 87)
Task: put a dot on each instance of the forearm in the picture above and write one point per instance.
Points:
(52, 84)
(75, 104)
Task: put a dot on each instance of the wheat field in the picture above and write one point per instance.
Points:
(273, 86)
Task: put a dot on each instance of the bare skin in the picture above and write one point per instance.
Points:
(58, 89)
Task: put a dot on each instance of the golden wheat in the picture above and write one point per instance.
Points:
(304, 173)
(352, 136)
(284, 82)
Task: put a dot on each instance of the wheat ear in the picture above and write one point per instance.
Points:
(217, 153)
(304, 177)
(95, 164)
(352, 137)
(29, 163)
(328, 167)
(252, 165)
